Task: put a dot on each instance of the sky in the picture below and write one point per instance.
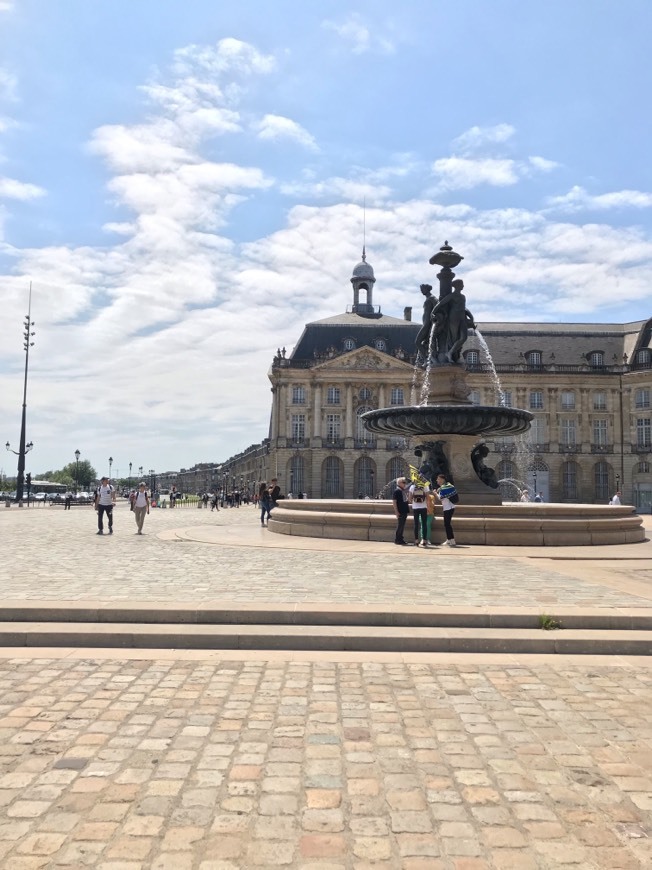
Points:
(185, 184)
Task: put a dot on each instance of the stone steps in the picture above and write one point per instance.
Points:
(324, 629)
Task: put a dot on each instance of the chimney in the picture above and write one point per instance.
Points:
(407, 313)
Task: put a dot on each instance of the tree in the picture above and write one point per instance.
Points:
(82, 473)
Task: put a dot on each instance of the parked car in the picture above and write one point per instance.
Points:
(40, 496)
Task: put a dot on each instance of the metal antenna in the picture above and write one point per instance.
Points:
(364, 229)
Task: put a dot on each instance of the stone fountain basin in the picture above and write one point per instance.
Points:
(422, 420)
(513, 524)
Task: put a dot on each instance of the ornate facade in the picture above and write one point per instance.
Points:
(589, 387)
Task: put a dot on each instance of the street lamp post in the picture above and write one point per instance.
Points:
(152, 481)
(110, 464)
(129, 481)
(140, 472)
(77, 455)
(23, 448)
(371, 475)
(617, 482)
(535, 484)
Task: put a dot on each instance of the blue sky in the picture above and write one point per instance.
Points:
(183, 184)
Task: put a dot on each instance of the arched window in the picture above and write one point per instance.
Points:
(570, 481)
(332, 478)
(396, 467)
(349, 344)
(601, 479)
(296, 475)
(534, 359)
(364, 474)
(505, 469)
(596, 359)
(472, 358)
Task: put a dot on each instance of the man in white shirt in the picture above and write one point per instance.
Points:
(104, 501)
(616, 499)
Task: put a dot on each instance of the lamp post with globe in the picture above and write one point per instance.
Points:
(77, 455)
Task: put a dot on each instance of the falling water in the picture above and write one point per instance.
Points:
(425, 387)
(498, 387)
(415, 378)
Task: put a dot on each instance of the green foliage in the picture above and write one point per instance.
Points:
(83, 473)
(549, 623)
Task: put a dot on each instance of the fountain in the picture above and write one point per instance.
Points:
(451, 431)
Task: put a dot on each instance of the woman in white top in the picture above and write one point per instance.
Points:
(141, 505)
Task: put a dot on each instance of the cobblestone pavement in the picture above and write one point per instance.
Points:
(54, 553)
(323, 766)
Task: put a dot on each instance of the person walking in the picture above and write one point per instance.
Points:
(616, 499)
(401, 510)
(104, 502)
(265, 502)
(417, 498)
(447, 495)
(67, 501)
(141, 506)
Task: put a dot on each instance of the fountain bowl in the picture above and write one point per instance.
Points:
(437, 420)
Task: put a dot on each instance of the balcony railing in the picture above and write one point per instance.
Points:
(365, 444)
(602, 448)
(298, 442)
(335, 443)
(570, 448)
(642, 448)
(396, 444)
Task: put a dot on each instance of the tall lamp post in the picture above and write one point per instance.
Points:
(371, 475)
(152, 481)
(129, 481)
(140, 472)
(535, 484)
(21, 465)
(617, 482)
(77, 455)
(23, 448)
(110, 464)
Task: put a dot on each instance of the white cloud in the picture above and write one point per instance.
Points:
(578, 199)
(275, 127)
(12, 189)
(459, 173)
(361, 38)
(8, 85)
(335, 188)
(230, 56)
(542, 164)
(479, 137)
(6, 5)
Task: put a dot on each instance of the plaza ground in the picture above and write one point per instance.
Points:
(209, 759)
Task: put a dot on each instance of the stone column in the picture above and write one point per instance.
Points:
(316, 423)
(348, 421)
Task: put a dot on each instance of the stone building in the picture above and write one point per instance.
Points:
(588, 386)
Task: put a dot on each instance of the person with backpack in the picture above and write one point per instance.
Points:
(417, 497)
(447, 495)
(103, 504)
(140, 506)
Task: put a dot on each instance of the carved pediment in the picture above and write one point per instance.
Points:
(365, 359)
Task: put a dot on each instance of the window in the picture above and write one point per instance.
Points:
(643, 357)
(333, 396)
(569, 480)
(568, 401)
(473, 358)
(596, 359)
(397, 396)
(474, 397)
(364, 477)
(537, 432)
(600, 401)
(506, 398)
(642, 398)
(333, 423)
(298, 395)
(332, 478)
(380, 344)
(364, 394)
(396, 467)
(601, 479)
(297, 476)
(600, 432)
(349, 344)
(298, 427)
(362, 434)
(643, 468)
(567, 433)
(534, 359)
(505, 470)
(536, 400)
(643, 432)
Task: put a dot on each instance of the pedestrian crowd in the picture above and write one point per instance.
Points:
(420, 498)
